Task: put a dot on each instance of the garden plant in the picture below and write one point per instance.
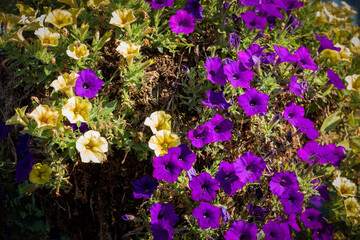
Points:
(179, 119)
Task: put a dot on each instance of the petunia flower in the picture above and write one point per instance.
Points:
(241, 230)
(228, 178)
(23, 144)
(162, 141)
(312, 153)
(82, 128)
(144, 187)
(353, 82)
(207, 215)
(87, 84)
(344, 54)
(249, 167)
(167, 167)
(59, 18)
(290, 221)
(253, 102)
(326, 44)
(234, 40)
(295, 87)
(238, 75)
(284, 55)
(251, 56)
(345, 187)
(352, 207)
(335, 80)
(128, 50)
(275, 231)
(289, 5)
(311, 218)
(65, 83)
(191, 173)
(158, 120)
(355, 45)
(40, 173)
(45, 116)
(337, 153)
(157, 4)
(162, 231)
(97, 3)
(122, 18)
(225, 215)
(77, 50)
(253, 21)
(216, 100)
(92, 147)
(325, 232)
(293, 24)
(47, 36)
(250, 2)
(306, 126)
(182, 22)
(268, 10)
(163, 213)
(303, 57)
(24, 167)
(258, 212)
(200, 136)
(77, 109)
(294, 113)
(19, 117)
(215, 71)
(4, 130)
(281, 181)
(185, 157)
(204, 187)
(220, 128)
(267, 58)
(292, 201)
(194, 8)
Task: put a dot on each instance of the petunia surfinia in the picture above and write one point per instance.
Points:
(281, 181)
(238, 75)
(45, 116)
(207, 215)
(311, 218)
(128, 50)
(276, 231)
(122, 18)
(185, 157)
(24, 166)
(228, 178)
(284, 55)
(87, 84)
(335, 79)
(292, 201)
(23, 144)
(77, 109)
(253, 102)
(303, 57)
(326, 44)
(162, 231)
(162, 141)
(163, 213)
(144, 187)
(158, 120)
(157, 4)
(251, 56)
(306, 126)
(167, 167)
(220, 128)
(293, 113)
(215, 71)
(194, 8)
(241, 230)
(353, 82)
(254, 21)
(295, 87)
(216, 100)
(47, 36)
(200, 136)
(65, 83)
(4, 130)
(40, 173)
(92, 147)
(19, 117)
(182, 22)
(345, 187)
(225, 215)
(204, 187)
(59, 18)
(77, 50)
(249, 167)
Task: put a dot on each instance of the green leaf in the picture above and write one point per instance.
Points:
(94, 112)
(331, 122)
(103, 40)
(48, 69)
(72, 153)
(109, 108)
(351, 119)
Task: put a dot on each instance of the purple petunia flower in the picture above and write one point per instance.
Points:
(215, 71)
(194, 8)
(250, 2)
(163, 213)
(216, 100)
(281, 181)
(234, 40)
(253, 21)
(204, 187)
(311, 218)
(267, 58)
(167, 167)
(289, 5)
(268, 10)
(275, 231)
(4, 130)
(249, 167)
(310, 153)
(293, 113)
(284, 55)
(258, 212)
(162, 231)
(220, 128)
(306, 126)
(23, 144)
(228, 179)
(292, 201)
(83, 127)
(293, 24)
(324, 194)
(144, 187)
(191, 173)
(200, 136)
(326, 44)
(184, 155)
(290, 221)
(157, 4)
(251, 56)
(338, 153)
(241, 230)
(238, 75)
(225, 215)
(87, 84)
(24, 167)
(303, 57)
(295, 87)
(182, 22)
(253, 102)
(325, 232)
(207, 215)
(334, 79)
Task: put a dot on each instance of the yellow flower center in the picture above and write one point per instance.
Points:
(46, 40)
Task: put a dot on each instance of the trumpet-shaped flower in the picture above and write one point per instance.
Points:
(326, 44)
(167, 167)
(65, 83)
(4, 130)
(335, 79)
(216, 100)
(158, 121)
(352, 207)
(40, 173)
(292, 201)
(194, 8)
(97, 3)
(87, 84)
(182, 22)
(304, 59)
(77, 109)
(129, 50)
(47, 36)
(200, 136)
(59, 18)
(254, 21)
(238, 75)
(122, 18)
(162, 231)
(353, 82)
(157, 4)
(311, 218)
(207, 215)
(282, 181)
(92, 147)
(215, 71)
(45, 116)
(355, 45)
(144, 187)
(77, 50)
(241, 230)
(344, 55)
(283, 55)
(253, 102)
(18, 118)
(162, 141)
(163, 213)
(249, 167)
(276, 231)
(204, 187)
(345, 187)
(228, 179)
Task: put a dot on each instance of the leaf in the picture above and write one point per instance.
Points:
(331, 122)
(72, 153)
(351, 120)
(109, 108)
(48, 69)
(103, 40)
(94, 112)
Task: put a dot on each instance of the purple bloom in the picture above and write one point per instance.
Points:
(215, 71)
(292, 201)
(234, 41)
(306, 126)
(216, 100)
(241, 230)
(311, 218)
(162, 231)
(182, 22)
(253, 102)
(294, 113)
(267, 58)
(254, 21)
(228, 179)
(127, 217)
(24, 167)
(4, 130)
(334, 79)
(338, 153)
(224, 214)
(290, 221)
(238, 75)
(325, 232)
(249, 167)
(282, 181)
(191, 173)
(163, 213)
(293, 24)
(295, 87)
(326, 44)
(250, 2)
(311, 149)
(167, 167)
(275, 231)
(200, 136)
(184, 155)
(269, 10)
(284, 55)
(23, 144)
(87, 84)
(204, 187)
(83, 127)
(220, 128)
(304, 59)
(288, 5)
(258, 212)
(207, 215)
(156, 4)
(251, 56)
(194, 8)
(144, 187)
